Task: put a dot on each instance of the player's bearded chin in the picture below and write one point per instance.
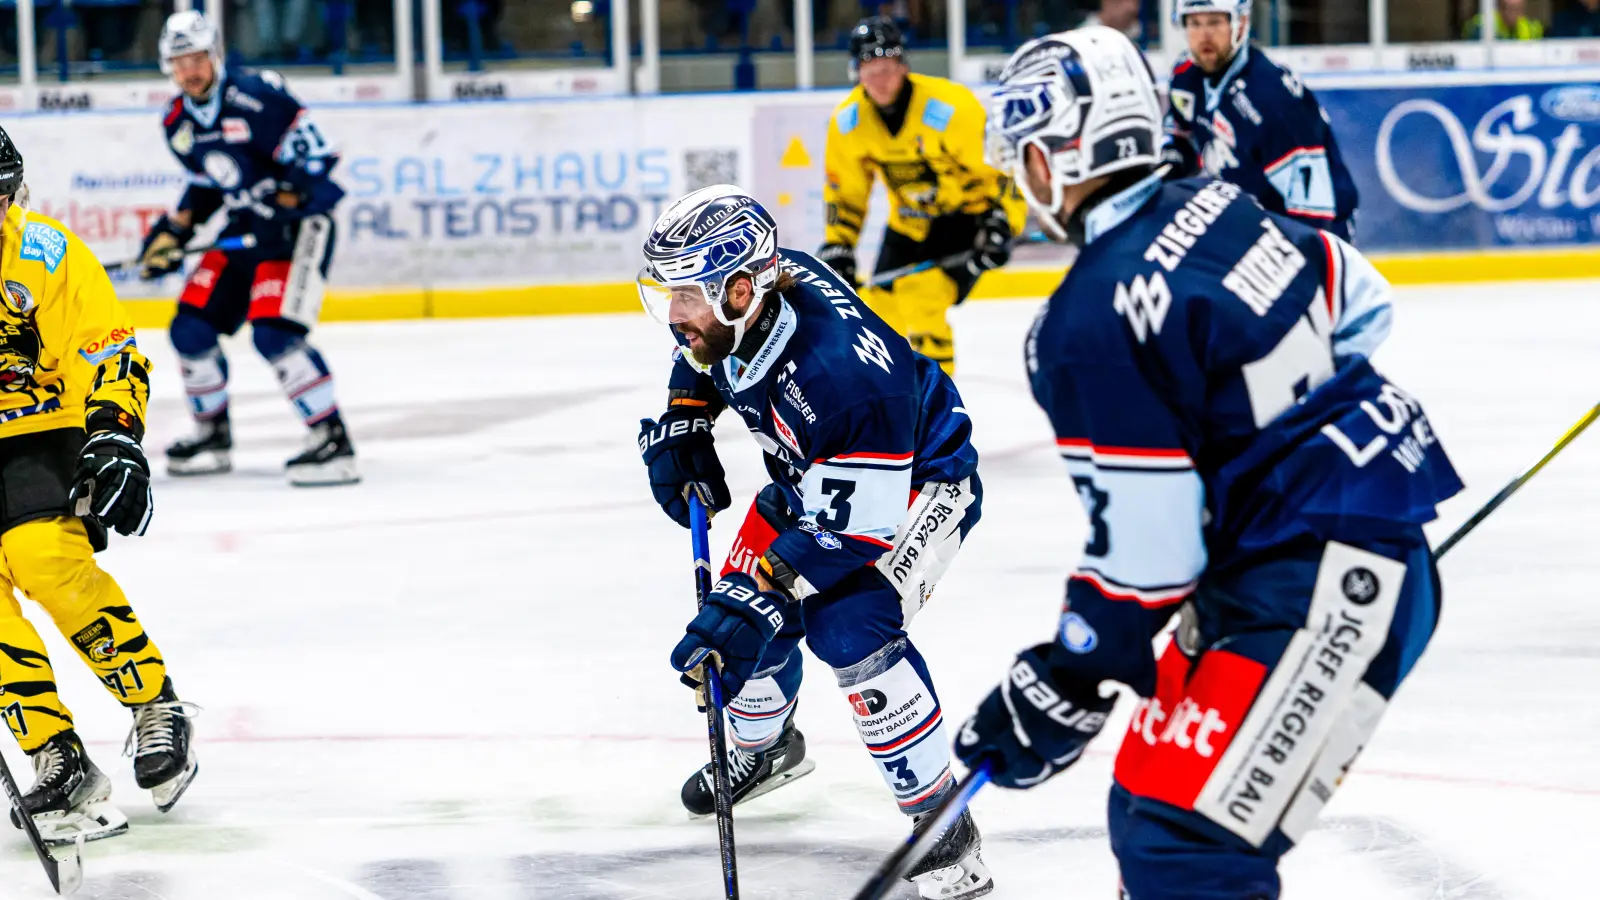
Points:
(716, 341)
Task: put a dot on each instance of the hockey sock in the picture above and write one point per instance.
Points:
(758, 714)
(205, 380)
(898, 716)
(301, 370)
(53, 563)
(32, 708)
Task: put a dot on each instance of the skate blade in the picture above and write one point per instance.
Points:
(966, 879)
(94, 822)
(167, 794)
(806, 767)
(332, 473)
(209, 462)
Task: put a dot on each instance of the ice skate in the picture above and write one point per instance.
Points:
(751, 773)
(209, 452)
(70, 797)
(952, 868)
(329, 457)
(162, 748)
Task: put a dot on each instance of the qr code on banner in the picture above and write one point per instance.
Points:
(703, 168)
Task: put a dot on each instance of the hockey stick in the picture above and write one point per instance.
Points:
(242, 242)
(721, 786)
(883, 279)
(1517, 482)
(921, 840)
(66, 875)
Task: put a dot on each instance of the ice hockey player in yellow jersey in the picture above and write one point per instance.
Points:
(924, 137)
(73, 388)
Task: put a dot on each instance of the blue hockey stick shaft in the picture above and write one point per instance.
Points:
(721, 787)
(916, 846)
(226, 245)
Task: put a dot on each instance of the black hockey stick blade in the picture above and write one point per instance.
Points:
(1516, 483)
(66, 875)
(721, 786)
(893, 869)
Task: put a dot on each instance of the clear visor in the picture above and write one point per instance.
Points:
(670, 303)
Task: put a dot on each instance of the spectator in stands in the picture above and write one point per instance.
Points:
(281, 29)
(1581, 19)
(1123, 15)
(1511, 23)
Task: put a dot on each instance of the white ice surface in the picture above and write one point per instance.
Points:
(450, 682)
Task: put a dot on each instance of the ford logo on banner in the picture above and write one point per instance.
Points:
(1472, 166)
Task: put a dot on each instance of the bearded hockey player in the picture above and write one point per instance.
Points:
(73, 388)
(1205, 368)
(853, 424)
(250, 149)
(924, 137)
(1243, 118)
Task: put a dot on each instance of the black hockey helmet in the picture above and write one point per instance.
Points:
(10, 166)
(877, 37)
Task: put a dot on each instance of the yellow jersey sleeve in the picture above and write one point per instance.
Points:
(100, 352)
(964, 140)
(849, 174)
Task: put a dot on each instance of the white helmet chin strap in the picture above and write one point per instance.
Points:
(1049, 213)
(742, 322)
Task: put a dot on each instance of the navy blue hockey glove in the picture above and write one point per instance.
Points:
(991, 249)
(682, 456)
(841, 258)
(112, 483)
(1031, 726)
(162, 251)
(736, 623)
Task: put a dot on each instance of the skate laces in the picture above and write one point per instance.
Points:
(152, 730)
(741, 764)
(48, 763)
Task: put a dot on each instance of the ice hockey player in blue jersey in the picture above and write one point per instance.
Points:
(1243, 118)
(251, 151)
(874, 487)
(1245, 471)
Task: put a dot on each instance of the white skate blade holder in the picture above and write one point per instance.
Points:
(334, 472)
(208, 462)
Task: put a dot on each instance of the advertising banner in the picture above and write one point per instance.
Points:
(1461, 167)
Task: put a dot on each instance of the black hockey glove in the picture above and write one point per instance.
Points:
(1032, 726)
(112, 483)
(1181, 156)
(162, 251)
(992, 246)
(737, 623)
(682, 456)
(841, 258)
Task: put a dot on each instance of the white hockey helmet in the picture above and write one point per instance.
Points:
(701, 242)
(185, 33)
(1237, 11)
(1087, 100)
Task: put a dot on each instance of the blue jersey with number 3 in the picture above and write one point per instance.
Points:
(1205, 368)
(850, 419)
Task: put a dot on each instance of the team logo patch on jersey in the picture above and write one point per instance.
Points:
(1077, 634)
(1183, 102)
(235, 131)
(44, 244)
(183, 139)
(222, 170)
(19, 356)
(827, 540)
(19, 299)
(785, 433)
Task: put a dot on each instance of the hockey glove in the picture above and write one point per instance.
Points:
(1032, 726)
(736, 624)
(163, 248)
(682, 456)
(113, 483)
(1180, 155)
(841, 258)
(992, 246)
